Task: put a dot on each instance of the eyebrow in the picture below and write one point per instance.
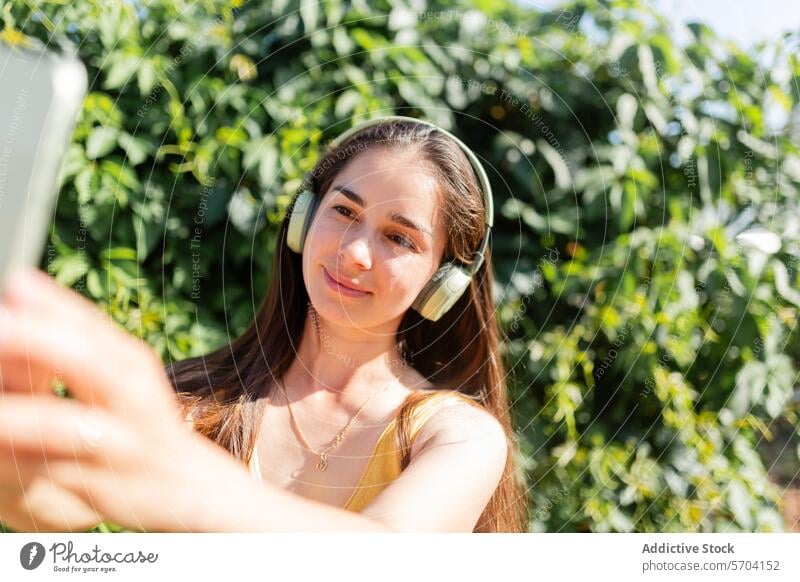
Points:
(395, 217)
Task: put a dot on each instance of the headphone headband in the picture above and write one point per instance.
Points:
(486, 189)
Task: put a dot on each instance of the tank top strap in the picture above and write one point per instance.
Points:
(384, 465)
(430, 404)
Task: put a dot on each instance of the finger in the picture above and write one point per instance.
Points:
(101, 367)
(20, 375)
(18, 474)
(41, 427)
(16, 471)
(33, 290)
(44, 504)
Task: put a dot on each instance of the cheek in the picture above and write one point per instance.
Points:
(315, 250)
(322, 234)
(323, 243)
(406, 276)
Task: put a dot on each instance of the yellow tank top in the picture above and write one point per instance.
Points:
(383, 466)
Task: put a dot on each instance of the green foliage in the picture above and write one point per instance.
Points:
(649, 349)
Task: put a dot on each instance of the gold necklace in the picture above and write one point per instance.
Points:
(323, 455)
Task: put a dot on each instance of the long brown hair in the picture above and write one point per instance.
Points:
(224, 393)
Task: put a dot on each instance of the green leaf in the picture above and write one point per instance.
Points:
(147, 236)
(750, 383)
(740, 502)
(365, 40)
(119, 253)
(309, 12)
(561, 171)
(782, 284)
(244, 67)
(341, 41)
(626, 110)
(68, 269)
(231, 137)
(135, 148)
(95, 286)
(346, 103)
(122, 175)
(627, 213)
(618, 521)
(268, 167)
(121, 71)
(84, 184)
(101, 141)
(647, 67)
(74, 161)
(780, 384)
(146, 77)
(245, 212)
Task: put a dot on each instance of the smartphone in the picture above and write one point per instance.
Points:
(41, 94)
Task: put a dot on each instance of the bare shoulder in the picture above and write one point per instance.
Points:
(461, 456)
(458, 419)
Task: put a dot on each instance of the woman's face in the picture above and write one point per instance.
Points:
(376, 230)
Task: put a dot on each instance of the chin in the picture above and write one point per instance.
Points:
(343, 316)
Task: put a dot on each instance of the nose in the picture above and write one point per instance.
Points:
(356, 252)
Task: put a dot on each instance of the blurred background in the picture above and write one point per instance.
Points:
(644, 159)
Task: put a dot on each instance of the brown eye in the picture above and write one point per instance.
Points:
(345, 208)
(404, 241)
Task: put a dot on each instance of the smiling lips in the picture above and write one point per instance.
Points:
(341, 288)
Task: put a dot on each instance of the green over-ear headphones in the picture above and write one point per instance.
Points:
(451, 280)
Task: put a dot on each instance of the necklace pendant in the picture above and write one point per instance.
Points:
(323, 462)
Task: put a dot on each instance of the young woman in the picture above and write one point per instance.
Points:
(368, 393)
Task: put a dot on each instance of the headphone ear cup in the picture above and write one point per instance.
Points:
(300, 220)
(442, 291)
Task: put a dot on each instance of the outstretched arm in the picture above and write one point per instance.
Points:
(119, 449)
